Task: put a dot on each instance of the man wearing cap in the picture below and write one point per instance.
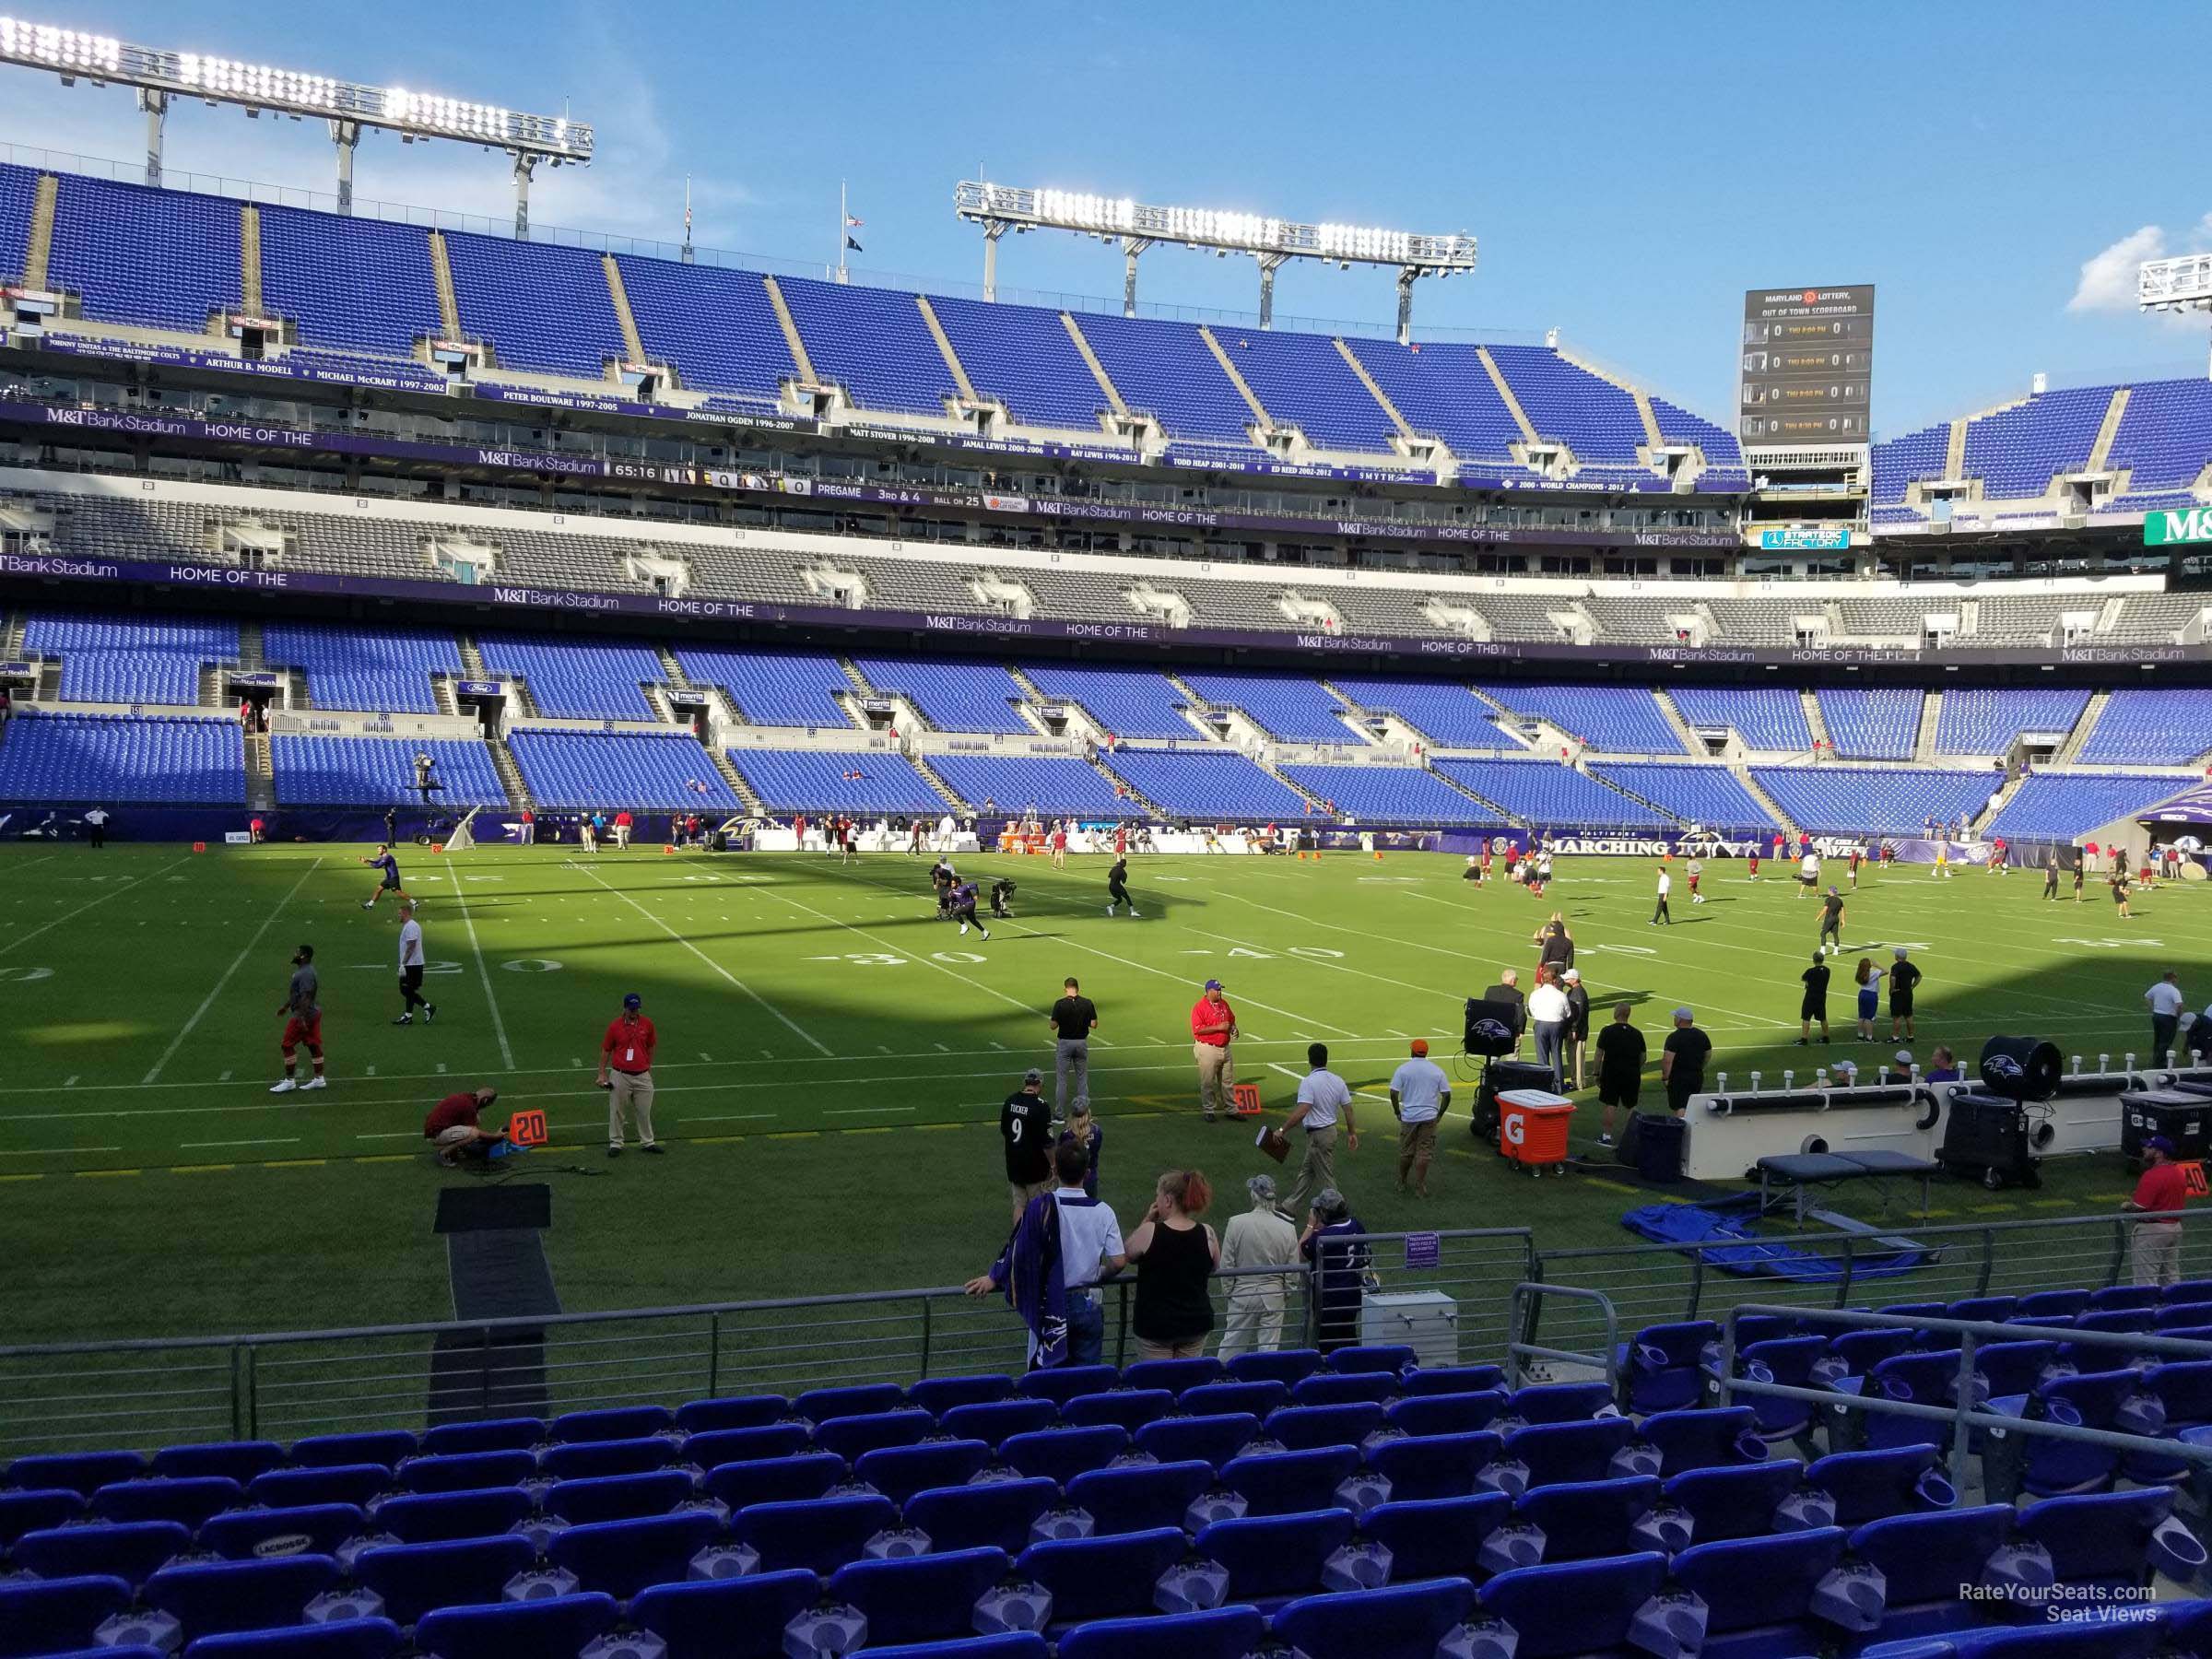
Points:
(1025, 1123)
(1902, 979)
(1213, 1027)
(1324, 1099)
(626, 1073)
(2162, 1192)
(2166, 1004)
(1419, 1095)
(1682, 1061)
(1901, 1067)
(1255, 1249)
(1577, 1037)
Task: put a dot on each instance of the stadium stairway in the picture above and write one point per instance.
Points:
(1923, 743)
(261, 776)
(1504, 816)
(736, 779)
(252, 657)
(248, 259)
(1691, 746)
(1505, 393)
(1115, 400)
(672, 671)
(2100, 452)
(936, 781)
(1374, 390)
(2070, 750)
(1275, 772)
(442, 276)
(1814, 719)
(509, 774)
(1629, 794)
(1642, 398)
(785, 321)
(1236, 378)
(953, 365)
(1189, 694)
(39, 250)
(632, 341)
(1135, 799)
(1766, 802)
(2002, 799)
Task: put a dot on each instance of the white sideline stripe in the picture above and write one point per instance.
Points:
(88, 903)
(781, 1018)
(855, 1111)
(498, 1026)
(56, 1151)
(236, 962)
(281, 1140)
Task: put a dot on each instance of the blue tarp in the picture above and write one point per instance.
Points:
(1736, 1218)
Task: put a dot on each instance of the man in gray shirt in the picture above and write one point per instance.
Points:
(302, 1022)
(1323, 1099)
(1419, 1094)
(1075, 1017)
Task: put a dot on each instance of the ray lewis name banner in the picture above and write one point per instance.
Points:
(1806, 366)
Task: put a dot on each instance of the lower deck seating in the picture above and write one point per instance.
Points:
(87, 759)
(1055, 787)
(1206, 784)
(568, 769)
(1537, 792)
(311, 769)
(1874, 800)
(833, 780)
(1389, 795)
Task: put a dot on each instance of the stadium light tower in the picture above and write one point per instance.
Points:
(159, 75)
(1136, 227)
(2177, 285)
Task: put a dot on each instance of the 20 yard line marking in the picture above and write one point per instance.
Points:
(236, 962)
(781, 1018)
(498, 1026)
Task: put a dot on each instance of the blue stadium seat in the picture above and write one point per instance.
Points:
(1795, 1362)
(81, 1472)
(333, 1483)
(611, 1423)
(853, 1438)
(1131, 1409)
(1873, 1485)
(466, 1471)
(1704, 1438)
(1665, 1365)
(229, 1460)
(1284, 1483)
(139, 760)
(582, 1460)
(938, 1396)
(340, 1639)
(1400, 1621)
(1001, 1515)
(736, 1411)
(1061, 1455)
(1062, 1384)
(1177, 1376)
(2112, 1541)
(920, 1598)
(1424, 1414)
(1223, 1634)
(412, 1578)
(774, 1479)
(1453, 1379)
(2104, 1399)
(41, 1507)
(1774, 1595)
(820, 1535)
(1395, 1357)
(709, 1447)
(1103, 1578)
(617, 1497)
(725, 1619)
(864, 1399)
(621, 1558)
(1553, 1452)
(1558, 1402)
(1006, 1644)
(188, 1502)
(1436, 1538)
(259, 1534)
(899, 1472)
(51, 1615)
(215, 1598)
(491, 1434)
(1345, 1388)
(440, 1517)
(1303, 1428)
(1284, 1365)
(1742, 1501)
(1140, 1498)
(555, 1628)
(1579, 1520)
(131, 1550)
(997, 1421)
(1435, 1465)
(386, 1446)
(1578, 1607)
(1930, 1562)
(1271, 1557)
(1255, 1399)
(1213, 1438)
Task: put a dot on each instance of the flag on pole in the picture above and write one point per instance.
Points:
(854, 221)
(855, 246)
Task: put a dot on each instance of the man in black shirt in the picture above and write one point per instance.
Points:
(1619, 1067)
(1075, 1017)
(1831, 921)
(1903, 977)
(1508, 990)
(1117, 886)
(1815, 1003)
(1682, 1061)
(1002, 898)
(2051, 874)
(1025, 1123)
(1577, 1034)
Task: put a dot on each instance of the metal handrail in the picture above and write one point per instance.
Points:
(1529, 1291)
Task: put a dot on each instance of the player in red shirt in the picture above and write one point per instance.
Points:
(1059, 843)
(626, 1071)
(2163, 1191)
(1753, 860)
(451, 1127)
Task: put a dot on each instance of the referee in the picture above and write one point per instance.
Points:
(625, 1072)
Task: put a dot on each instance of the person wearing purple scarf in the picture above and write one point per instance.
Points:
(1028, 1271)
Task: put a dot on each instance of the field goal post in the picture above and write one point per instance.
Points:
(464, 833)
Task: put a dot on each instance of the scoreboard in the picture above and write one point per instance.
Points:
(1806, 366)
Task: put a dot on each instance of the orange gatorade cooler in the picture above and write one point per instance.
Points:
(1532, 1128)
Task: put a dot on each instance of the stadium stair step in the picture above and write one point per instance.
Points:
(248, 259)
(930, 775)
(2091, 713)
(2100, 452)
(1275, 772)
(786, 322)
(1505, 393)
(1504, 816)
(1113, 397)
(472, 659)
(1196, 704)
(1999, 801)
(509, 774)
(260, 778)
(1954, 450)
(1814, 719)
(441, 693)
(441, 276)
(952, 358)
(2109, 615)
(860, 680)
(632, 341)
(1120, 782)
(1374, 391)
(1236, 378)
(1931, 713)
(736, 779)
(671, 668)
(295, 695)
(39, 250)
(1742, 774)
(1637, 394)
(850, 701)
(11, 637)
(251, 655)
(1644, 801)
(1688, 738)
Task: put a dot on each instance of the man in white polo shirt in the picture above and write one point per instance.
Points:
(1091, 1251)
(1323, 1099)
(1547, 1013)
(1419, 1094)
(2166, 1004)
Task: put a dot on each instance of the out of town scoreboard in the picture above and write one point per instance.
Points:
(1807, 362)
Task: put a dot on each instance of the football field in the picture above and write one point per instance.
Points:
(832, 1056)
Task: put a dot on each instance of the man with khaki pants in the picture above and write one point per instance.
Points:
(625, 1072)
(1419, 1094)
(1324, 1099)
(1213, 1027)
(2162, 1192)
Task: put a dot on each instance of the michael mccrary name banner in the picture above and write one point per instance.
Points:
(524, 596)
(545, 463)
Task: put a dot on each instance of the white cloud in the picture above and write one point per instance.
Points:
(2108, 280)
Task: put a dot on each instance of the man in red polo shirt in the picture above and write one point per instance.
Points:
(626, 1071)
(451, 1128)
(2163, 1192)
(1213, 1025)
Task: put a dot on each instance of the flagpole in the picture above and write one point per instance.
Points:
(841, 231)
(687, 256)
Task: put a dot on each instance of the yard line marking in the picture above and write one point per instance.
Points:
(498, 1026)
(380, 1134)
(732, 1117)
(57, 1151)
(372, 1071)
(708, 1058)
(236, 962)
(282, 1140)
(69, 1081)
(855, 1111)
(882, 944)
(781, 1018)
(943, 1050)
(80, 910)
(442, 1068)
(226, 1077)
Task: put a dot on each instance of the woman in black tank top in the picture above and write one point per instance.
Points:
(1175, 1255)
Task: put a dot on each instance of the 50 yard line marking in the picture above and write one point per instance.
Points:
(498, 1026)
(236, 962)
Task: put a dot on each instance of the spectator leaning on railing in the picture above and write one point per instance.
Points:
(2162, 1192)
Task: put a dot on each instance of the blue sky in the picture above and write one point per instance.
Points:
(1996, 169)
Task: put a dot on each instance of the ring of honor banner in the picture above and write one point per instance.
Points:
(1807, 367)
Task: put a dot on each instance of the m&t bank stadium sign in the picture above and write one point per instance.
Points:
(2194, 524)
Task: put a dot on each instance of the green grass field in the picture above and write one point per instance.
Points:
(832, 1056)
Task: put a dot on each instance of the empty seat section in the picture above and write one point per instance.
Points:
(2050, 806)
(1163, 370)
(871, 341)
(953, 697)
(1594, 417)
(1220, 785)
(576, 680)
(1300, 381)
(1445, 714)
(1871, 724)
(118, 759)
(2140, 728)
(1292, 708)
(1709, 795)
(156, 258)
(1023, 355)
(2015, 451)
(1400, 795)
(540, 305)
(1765, 717)
(1874, 800)
(1909, 460)
(313, 769)
(1987, 721)
(1129, 702)
(130, 659)
(1621, 720)
(625, 768)
(809, 779)
(1054, 786)
(1549, 794)
(19, 191)
(383, 670)
(1443, 391)
(715, 326)
(773, 687)
(2165, 435)
(357, 282)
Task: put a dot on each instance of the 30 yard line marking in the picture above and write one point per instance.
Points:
(781, 1018)
(498, 1026)
(80, 910)
(236, 962)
